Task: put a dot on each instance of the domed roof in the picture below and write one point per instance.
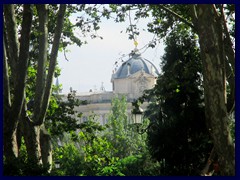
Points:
(134, 64)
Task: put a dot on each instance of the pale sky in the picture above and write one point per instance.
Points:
(93, 63)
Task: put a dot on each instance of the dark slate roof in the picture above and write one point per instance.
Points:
(134, 64)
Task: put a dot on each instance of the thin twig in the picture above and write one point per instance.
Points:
(177, 16)
(65, 56)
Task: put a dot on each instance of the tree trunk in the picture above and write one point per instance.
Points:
(37, 139)
(11, 38)
(10, 140)
(19, 61)
(46, 147)
(32, 140)
(53, 62)
(10, 123)
(211, 45)
(42, 10)
(10, 148)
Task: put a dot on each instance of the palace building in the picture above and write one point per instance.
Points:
(133, 77)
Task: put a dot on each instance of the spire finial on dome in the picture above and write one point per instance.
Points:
(135, 51)
(135, 43)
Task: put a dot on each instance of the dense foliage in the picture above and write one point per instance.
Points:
(114, 149)
(61, 116)
(178, 134)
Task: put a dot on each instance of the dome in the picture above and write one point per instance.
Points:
(134, 64)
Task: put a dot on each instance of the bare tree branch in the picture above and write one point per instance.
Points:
(42, 10)
(53, 61)
(65, 55)
(229, 62)
(23, 59)
(12, 38)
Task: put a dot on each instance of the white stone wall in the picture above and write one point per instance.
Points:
(102, 110)
(135, 84)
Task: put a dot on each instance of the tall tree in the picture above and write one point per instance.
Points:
(33, 34)
(212, 37)
(209, 22)
(216, 38)
(43, 84)
(18, 58)
(124, 138)
(178, 136)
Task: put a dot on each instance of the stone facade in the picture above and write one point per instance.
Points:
(134, 85)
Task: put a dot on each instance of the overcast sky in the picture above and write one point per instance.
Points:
(93, 63)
